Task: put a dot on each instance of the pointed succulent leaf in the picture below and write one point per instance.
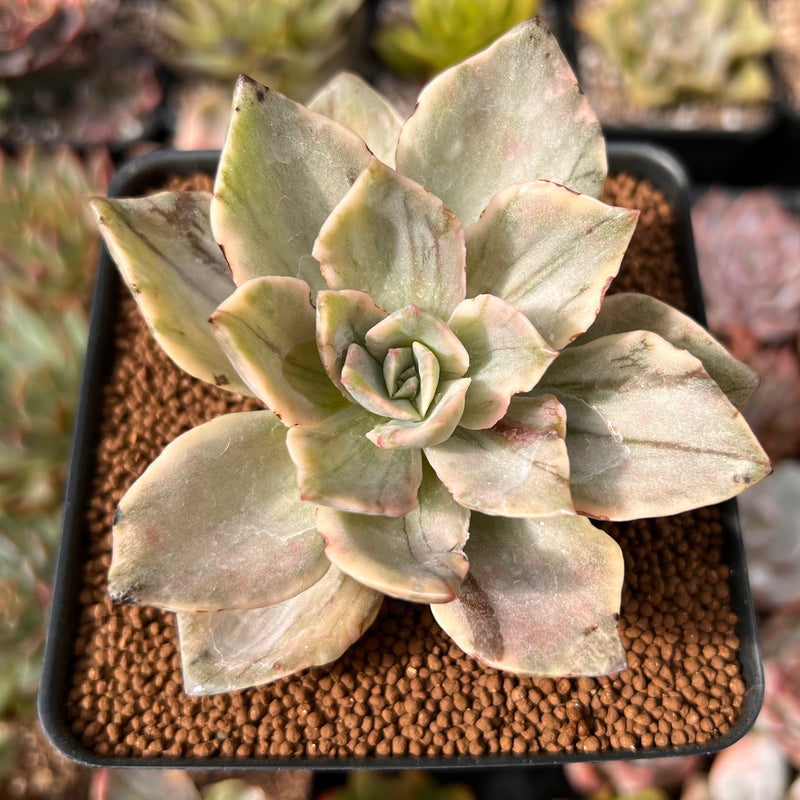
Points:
(395, 241)
(549, 252)
(437, 427)
(429, 370)
(282, 171)
(230, 650)
(139, 784)
(363, 378)
(266, 327)
(216, 521)
(418, 557)
(650, 433)
(629, 312)
(518, 468)
(343, 318)
(351, 101)
(397, 367)
(168, 258)
(506, 356)
(338, 466)
(413, 324)
(512, 113)
(541, 598)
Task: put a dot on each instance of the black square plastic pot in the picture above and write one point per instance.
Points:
(59, 692)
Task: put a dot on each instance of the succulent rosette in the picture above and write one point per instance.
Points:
(404, 298)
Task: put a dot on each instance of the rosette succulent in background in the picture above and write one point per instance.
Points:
(75, 71)
(404, 300)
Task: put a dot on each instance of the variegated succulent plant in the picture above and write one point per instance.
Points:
(405, 305)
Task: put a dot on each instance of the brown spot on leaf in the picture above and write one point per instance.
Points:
(590, 630)
(481, 617)
(221, 380)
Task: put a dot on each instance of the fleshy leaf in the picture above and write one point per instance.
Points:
(362, 376)
(343, 318)
(413, 324)
(437, 426)
(216, 521)
(231, 650)
(351, 101)
(283, 170)
(267, 329)
(549, 252)
(512, 113)
(650, 433)
(338, 466)
(140, 784)
(429, 371)
(629, 312)
(418, 557)
(506, 356)
(541, 598)
(167, 256)
(395, 241)
(518, 468)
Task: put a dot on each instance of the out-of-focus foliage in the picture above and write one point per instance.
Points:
(413, 785)
(423, 37)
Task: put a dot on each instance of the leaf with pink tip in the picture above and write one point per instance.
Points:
(438, 425)
(166, 254)
(216, 521)
(395, 241)
(541, 598)
(418, 557)
(518, 468)
(507, 355)
(343, 318)
(510, 114)
(283, 170)
(550, 253)
(625, 312)
(650, 433)
(266, 327)
(231, 650)
(338, 466)
(351, 101)
(414, 324)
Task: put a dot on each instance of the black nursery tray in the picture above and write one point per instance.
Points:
(404, 696)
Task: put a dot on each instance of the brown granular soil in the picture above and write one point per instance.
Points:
(404, 689)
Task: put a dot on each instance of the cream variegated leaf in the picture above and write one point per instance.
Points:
(517, 468)
(283, 169)
(650, 433)
(266, 327)
(542, 597)
(216, 521)
(630, 312)
(550, 253)
(418, 557)
(510, 114)
(395, 241)
(166, 254)
(231, 650)
(351, 101)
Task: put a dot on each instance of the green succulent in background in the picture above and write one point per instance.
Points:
(671, 50)
(291, 45)
(423, 37)
(48, 248)
(449, 398)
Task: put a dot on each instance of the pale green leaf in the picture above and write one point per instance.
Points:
(283, 170)
(541, 598)
(510, 114)
(266, 327)
(549, 252)
(143, 784)
(395, 241)
(338, 466)
(351, 101)
(231, 650)
(166, 254)
(216, 521)
(507, 355)
(650, 433)
(418, 557)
